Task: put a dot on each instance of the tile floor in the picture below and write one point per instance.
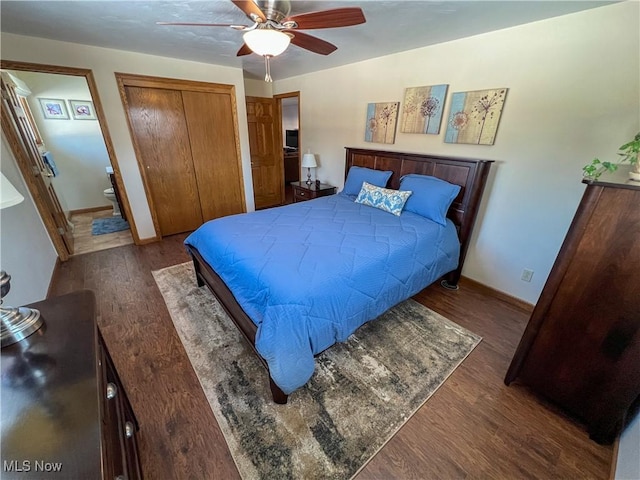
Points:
(85, 242)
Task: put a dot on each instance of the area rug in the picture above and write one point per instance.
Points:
(100, 226)
(362, 391)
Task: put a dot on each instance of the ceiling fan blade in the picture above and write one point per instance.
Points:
(244, 50)
(339, 17)
(251, 10)
(311, 43)
(237, 27)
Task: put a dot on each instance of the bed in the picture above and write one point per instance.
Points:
(297, 279)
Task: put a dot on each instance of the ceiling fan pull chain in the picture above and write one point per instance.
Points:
(267, 77)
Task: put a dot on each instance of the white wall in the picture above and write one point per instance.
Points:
(257, 88)
(628, 465)
(573, 94)
(77, 146)
(104, 63)
(26, 251)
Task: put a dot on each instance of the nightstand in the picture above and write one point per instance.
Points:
(302, 191)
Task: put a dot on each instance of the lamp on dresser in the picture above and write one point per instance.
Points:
(17, 322)
(309, 162)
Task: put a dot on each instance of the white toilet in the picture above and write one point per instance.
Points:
(108, 192)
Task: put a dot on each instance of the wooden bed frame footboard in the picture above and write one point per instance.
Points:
(470, 174)
(206, 276)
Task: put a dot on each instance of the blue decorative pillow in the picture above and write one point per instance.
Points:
(431, 197)
(358, 175)
(391, 201)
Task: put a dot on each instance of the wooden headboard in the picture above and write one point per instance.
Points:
(470, 174)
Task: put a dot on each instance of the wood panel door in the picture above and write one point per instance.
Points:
(212, 137)
(267, 164)
(159, 127)
(23, 141)
(185, 134)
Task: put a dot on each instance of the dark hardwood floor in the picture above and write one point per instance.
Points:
(473, 426)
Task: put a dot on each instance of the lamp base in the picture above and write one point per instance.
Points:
(308, 182)
(18, 323)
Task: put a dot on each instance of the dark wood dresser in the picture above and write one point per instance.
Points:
(581, 348)
(291, 166)
(65, 414)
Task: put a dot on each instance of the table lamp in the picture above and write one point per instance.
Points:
(17, 323)
(309, 162)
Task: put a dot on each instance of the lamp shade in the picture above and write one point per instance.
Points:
(309, 160)
(9, 196)
(267, 42)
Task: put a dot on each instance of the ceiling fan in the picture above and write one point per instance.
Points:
(273, 29)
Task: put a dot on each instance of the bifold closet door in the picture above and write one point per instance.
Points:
(160, 128)
(212, 136)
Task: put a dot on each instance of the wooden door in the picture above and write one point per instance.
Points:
(267, 163)
(41, 175)
(159, 128)
(214, 150)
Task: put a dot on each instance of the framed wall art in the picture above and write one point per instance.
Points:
(54, 108)
(474, 116)
(82, 109)
(423, 107)
(381, 122)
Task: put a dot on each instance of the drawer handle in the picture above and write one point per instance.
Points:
(302, 194)
(112, 391)
(128, 429)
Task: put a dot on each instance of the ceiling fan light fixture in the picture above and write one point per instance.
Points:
(267, 42)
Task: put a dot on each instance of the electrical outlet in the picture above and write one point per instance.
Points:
(526, 275)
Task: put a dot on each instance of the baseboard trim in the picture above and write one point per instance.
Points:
(500, 295)
(146, 241)
(614, 460)
(90, 209)
(53, 276)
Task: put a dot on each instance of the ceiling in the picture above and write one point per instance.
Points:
(391, 27)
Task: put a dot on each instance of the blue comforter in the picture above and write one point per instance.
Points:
(309, 274)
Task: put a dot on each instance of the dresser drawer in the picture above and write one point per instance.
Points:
(300, 195)
(119, 425)
(302, 191)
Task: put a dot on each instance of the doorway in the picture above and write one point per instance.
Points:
(289, 108)
(274, 126)
(77, 150)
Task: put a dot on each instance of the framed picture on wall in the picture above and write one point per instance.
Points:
(381, 122)
(474, 116)
(82, 109)
(54, 108)
(423, 107)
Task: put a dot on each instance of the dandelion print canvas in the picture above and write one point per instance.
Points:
(381, 122)
(423, 107)
(474, 116)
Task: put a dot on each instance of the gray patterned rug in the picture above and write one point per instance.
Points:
(362, 392)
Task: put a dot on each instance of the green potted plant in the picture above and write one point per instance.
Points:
(628, 154)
